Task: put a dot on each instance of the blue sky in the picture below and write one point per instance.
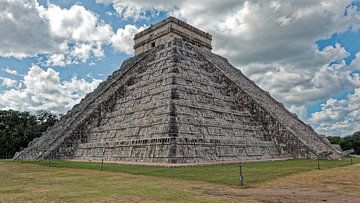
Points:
(101, 68)
(305, 53)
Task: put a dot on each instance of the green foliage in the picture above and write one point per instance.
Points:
(17, 129)
(336, 140)
(348, 142)
(354, 142)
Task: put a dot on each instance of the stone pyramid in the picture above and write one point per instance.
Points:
(177, 102)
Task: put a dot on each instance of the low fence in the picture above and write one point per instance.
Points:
(6, 155)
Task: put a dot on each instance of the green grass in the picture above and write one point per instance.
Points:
(68, 181)
(27, 182)
(254, 172)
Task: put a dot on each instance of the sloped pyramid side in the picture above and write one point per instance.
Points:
(67, 132)
(176, 103)
(177, 112)
(141, 126)
(219, 121)
(212, 125)
(155, 122)
(274, 114)
(129, 117)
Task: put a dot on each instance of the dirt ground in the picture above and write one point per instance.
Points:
(332, 185)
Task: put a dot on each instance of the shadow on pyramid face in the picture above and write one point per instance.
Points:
(177, 102)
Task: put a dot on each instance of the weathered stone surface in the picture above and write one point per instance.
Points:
(178, 102)
(168, 29)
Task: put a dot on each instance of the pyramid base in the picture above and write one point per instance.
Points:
(177, 150)
(170, 165)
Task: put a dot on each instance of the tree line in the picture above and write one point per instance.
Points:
(17, 129)
(347, 142)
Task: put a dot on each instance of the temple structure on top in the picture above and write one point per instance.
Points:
(168, 29)
(177, 102)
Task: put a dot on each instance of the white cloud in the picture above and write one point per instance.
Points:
(272, 42)
(302, 85)
(8, 82)
(300, 111)
(23, 29)
(339, 117)
(64, 36)
(136, 8)
(11, 71)
(77, 24)
(123, 40)
(44, 90)
(98, 51)
(57, 60)
(29, 29)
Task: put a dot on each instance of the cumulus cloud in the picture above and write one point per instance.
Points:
(57, 60)
(77, 23)
(44, 90)
(339, 116)
(300, 111)
(273, 42)
(65, 35)
(122, 41)
(10, 71)
(61, 36)
(24, 30)
(137, 8)
(300, 85)
(8, 82)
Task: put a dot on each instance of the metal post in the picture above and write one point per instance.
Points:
(49, 160)
(351, 161)
(318, 163)
(241, 176)
(102, 159)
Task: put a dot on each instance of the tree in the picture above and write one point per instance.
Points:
(336, 140)
(355, 142)
(46, 120)
(17, 129)
(348, 142)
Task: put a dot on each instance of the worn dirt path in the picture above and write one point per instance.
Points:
(332, 185)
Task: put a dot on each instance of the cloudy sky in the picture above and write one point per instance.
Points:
(305, 53)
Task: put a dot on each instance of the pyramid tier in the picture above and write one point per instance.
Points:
(178, 103)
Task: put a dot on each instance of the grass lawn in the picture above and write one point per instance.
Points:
(285, 181)
(24, 182)
(254, 172)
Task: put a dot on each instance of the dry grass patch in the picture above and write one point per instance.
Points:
(29, 182)
(22, 182)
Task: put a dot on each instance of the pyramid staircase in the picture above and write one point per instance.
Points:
(178, 103)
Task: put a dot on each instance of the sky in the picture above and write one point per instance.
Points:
(305, 53)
